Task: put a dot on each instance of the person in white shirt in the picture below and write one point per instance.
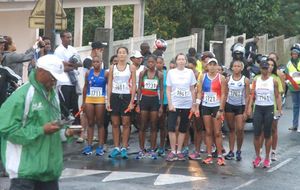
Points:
(68, 93)
(181, 100)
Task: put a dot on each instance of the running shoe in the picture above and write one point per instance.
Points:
(273, 156)
(293, 128)
(238, 155)
(140, 155)
(256, 162)
(181, 157)
(153, 155)
(99, 151)
(202, 150)
(267, 163)
(208, 160)
(221, 161)
(185, 151)
(195, 156)
(215, 154)
(161, 152)
(171, 157)
(88, 150)
(124, 154)
(298, 130)
(229, 156)
(114, 153)
(80, 140)
(223, 152)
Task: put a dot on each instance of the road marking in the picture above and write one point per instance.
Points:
(70, 172)
(245, 184)
(165, 179)
(280, 165)
(115, 176)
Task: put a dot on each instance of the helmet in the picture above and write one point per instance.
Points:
(206, 54)
(261, 58)
(238, 48)
(160, 44)
(296, 48)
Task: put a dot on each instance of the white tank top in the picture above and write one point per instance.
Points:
(236, 91)
(264, 92)
(121, 79)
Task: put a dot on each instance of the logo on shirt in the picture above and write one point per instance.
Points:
(37, 106)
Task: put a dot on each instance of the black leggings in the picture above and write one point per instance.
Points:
(69, 102)
(184, 120)
(27, 184)
(262, 120)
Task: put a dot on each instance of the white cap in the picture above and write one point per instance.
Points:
(136, 54)
(212, 60)
(54, 65)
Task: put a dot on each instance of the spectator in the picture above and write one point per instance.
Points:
(240, 42)
(97, 50)
(145, 51)
(68, 95)
(43, 48)
(15, 60)
(251, 50)
(30, 131)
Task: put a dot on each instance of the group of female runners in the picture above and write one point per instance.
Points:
(177, 96)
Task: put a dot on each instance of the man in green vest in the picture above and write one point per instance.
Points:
(293, 69)
(31, 130)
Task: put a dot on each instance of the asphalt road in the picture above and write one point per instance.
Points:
(91, 172)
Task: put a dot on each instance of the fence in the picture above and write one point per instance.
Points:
(175, 45)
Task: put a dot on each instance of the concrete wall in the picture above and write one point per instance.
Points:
(16, 26)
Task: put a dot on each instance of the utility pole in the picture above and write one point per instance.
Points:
(50, 14)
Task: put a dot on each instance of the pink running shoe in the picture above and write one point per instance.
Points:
(267, 163)
(256, 162)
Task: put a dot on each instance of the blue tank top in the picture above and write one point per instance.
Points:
(96, 84)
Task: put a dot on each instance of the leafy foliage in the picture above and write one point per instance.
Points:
(175, 18)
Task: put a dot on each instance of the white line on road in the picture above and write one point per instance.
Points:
(245, 184)
(280, 165)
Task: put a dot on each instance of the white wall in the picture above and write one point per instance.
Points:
(15, 25)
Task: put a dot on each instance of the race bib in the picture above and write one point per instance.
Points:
(150, 84)
(182, 93)
(120, 86)
(95, 92)
(263, 97)
(210, 97)
(235, 93)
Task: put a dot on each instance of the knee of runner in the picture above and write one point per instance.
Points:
(217, 134)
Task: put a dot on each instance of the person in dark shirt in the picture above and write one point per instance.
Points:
(8, 83)
(251, 50)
